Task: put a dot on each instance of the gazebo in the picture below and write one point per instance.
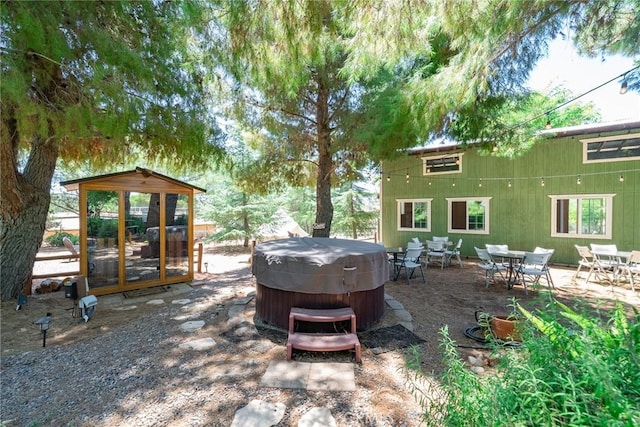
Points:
(136, 230)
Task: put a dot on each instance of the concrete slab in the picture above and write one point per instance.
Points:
(331, 377)
(284, 374)
(310, 376)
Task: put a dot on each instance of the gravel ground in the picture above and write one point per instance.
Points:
(125, 367)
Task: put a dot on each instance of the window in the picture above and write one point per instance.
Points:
(414, 214)
(451, 163)
(611, 148)
(587, 216)
(469, 215)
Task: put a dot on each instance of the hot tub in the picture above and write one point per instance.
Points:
(319, 272)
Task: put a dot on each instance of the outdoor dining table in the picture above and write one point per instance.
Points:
(395, 251)
(513, 257)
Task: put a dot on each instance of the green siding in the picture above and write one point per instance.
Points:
(520, 215)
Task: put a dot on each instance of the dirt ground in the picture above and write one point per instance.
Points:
(450, 297)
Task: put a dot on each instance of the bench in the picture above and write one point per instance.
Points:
(322, 342)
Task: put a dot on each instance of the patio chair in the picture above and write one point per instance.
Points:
(71, 248)
(534, 266)
(409, 262)
(539, 250)
(455, 252)
(606, 261)
(489, 266)
(586, 261)
(631, 269)
(436, 252)
(498, 249)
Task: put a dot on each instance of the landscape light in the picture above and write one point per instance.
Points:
(43, 322)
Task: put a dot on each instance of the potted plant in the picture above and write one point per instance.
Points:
(503, 327)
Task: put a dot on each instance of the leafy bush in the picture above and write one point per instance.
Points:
(571, 369)
(108, 228)
(56, 238)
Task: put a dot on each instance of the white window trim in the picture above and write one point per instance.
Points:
(486, 200)
(424, 164)
(608, 219)
(585, 144)
(400, 202)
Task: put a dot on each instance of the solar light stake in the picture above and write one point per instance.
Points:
(43, 322)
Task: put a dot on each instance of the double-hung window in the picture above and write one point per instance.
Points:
(584, 215)
(414, 214)
(468, 215)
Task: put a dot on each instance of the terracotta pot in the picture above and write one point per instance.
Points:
(505, 328)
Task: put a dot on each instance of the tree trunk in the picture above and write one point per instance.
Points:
(245, 220)
(352, 215)
(153, 214)
(171, 203)
(24, 204)
(324, 206)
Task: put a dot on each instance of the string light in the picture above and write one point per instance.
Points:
(578, 178)
(623, 86)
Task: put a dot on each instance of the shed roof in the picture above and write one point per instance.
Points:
(74, 184)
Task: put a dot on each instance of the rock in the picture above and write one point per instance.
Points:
(181, 301)
(477, 370)
(259, 414)
(155, 302)
(199, 345)
(317, 417)
(192, 326)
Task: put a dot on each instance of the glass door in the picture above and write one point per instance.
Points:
(142, 236)
(102, 238)
(177, 235)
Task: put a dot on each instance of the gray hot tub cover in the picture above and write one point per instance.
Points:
(317, 265)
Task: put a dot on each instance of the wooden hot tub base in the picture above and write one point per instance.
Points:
(274, 305)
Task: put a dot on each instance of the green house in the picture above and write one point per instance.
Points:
(581, 185)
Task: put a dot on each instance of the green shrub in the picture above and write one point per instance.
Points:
(108, 228)
(56, 238)
(572, 369)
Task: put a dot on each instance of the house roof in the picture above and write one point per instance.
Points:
(585, 129)
(74, 184)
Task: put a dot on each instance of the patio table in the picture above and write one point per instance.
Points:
(512, 256)
(613, 261)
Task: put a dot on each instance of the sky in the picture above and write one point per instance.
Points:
(580, 74)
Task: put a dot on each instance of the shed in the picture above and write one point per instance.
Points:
(136, 230)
